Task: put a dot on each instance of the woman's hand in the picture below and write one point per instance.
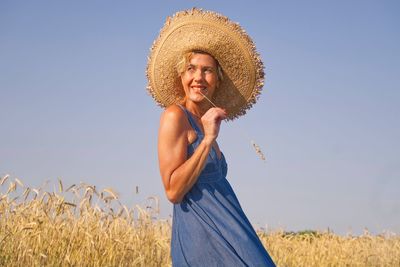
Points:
(211, 121)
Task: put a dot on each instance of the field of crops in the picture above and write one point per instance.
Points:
(83, 226)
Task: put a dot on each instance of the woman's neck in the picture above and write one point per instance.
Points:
(198, 109)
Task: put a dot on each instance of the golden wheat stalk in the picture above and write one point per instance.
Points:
(215, 106)
(256, 147)
(258, 151)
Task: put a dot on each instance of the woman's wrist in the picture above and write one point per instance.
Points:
(208, 140)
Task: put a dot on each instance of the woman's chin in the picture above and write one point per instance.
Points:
(197, 98)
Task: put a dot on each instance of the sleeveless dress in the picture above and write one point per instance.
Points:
(209, 227)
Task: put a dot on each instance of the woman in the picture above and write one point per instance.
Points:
(209, 226)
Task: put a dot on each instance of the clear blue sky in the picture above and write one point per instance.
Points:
(74, 106)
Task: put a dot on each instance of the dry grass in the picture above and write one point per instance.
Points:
(83, 226)
(327, 249)
(80, 227)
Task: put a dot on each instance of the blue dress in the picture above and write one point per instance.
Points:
(209, 228)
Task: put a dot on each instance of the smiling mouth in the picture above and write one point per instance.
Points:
(201, 89)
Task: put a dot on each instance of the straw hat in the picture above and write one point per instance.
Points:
(215, 34)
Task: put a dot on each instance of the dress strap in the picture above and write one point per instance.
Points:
(192, 121)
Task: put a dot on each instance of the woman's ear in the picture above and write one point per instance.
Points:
(218, 84)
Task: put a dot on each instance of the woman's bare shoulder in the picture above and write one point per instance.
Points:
(173, 114)
(173, 122)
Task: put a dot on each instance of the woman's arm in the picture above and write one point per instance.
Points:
(179, 173)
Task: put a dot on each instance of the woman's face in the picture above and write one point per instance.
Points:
(200, 76)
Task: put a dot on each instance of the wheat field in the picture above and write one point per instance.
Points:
(83, 226)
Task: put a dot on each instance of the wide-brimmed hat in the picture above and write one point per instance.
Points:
(215, 34)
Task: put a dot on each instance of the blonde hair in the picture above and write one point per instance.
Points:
(184, 62)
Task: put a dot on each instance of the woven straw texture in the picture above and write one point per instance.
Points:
(196, 29)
